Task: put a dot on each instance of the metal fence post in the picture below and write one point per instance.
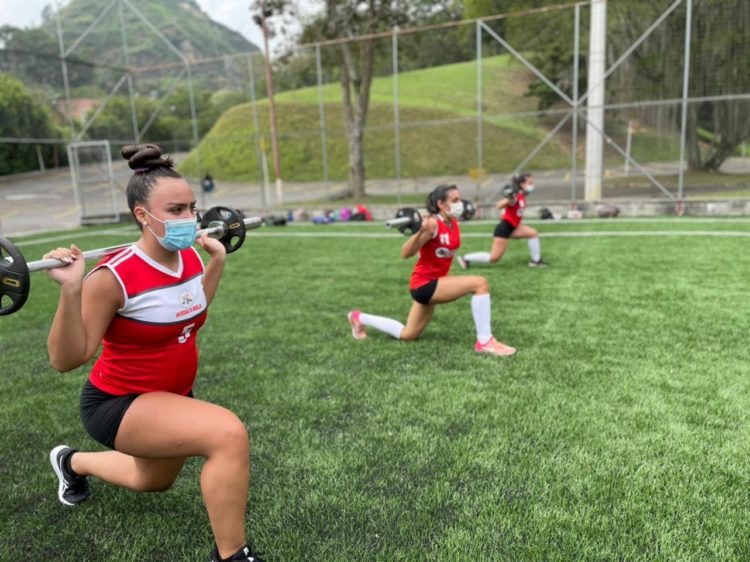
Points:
(396, 115)
(480, 155)
(321, 111)
(685, 88)
(576, 50)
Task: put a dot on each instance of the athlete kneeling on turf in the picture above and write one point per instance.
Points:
(513, 205)
(145, 304)
(436, 243)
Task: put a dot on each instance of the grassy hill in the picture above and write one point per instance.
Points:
(437, 109)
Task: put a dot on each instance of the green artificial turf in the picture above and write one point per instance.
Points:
(620, 430)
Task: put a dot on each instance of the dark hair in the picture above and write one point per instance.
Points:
(440, 193)
(520, 179)
(148, 166)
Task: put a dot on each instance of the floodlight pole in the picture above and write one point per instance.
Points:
(261, 21)
(595, 116)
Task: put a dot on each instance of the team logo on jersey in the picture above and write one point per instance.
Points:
(443, 252)
(186, 299)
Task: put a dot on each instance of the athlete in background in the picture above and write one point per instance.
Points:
(513, 205)
(436, 243)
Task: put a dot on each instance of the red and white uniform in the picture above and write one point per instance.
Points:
(436, 256)
(514, 213)
(150, 344)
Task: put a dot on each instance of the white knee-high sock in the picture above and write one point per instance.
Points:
(388, 325)
(479, 257)
(534, 249)
(481, 310)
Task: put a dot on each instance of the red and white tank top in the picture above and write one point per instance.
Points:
(150, 344)
(436, 256)
(514, 213)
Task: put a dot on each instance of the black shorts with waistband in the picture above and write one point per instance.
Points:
(423, 294)
(504, 229)
(102, 412)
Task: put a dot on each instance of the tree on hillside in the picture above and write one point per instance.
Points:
(357, 58)
(346, 19)
(21, 116)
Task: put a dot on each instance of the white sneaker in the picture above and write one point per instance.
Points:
(462, 262)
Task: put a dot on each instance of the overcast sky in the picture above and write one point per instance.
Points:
(234, 14)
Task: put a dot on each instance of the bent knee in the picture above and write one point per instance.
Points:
(231, 434)
(482, 286)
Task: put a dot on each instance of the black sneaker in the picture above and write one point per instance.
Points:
(538, 263)
(72, 489)
(244, 554)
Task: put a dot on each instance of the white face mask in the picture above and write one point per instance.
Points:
(457, 209)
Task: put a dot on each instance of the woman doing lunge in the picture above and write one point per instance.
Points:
(513, 205)
(146, 304)
(436, 243)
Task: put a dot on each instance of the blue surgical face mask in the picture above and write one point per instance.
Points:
(529, 188)
(178, 234)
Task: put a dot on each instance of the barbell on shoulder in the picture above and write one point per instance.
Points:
(222, 223)
(407, 220)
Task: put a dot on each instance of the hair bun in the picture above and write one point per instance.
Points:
(145, 156)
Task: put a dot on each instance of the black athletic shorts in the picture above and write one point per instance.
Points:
(424, 293)
(102, 412)
(504, 229)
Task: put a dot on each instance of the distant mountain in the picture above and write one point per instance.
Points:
(182, 22)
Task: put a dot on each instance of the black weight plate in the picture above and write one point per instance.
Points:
(14, 278)
(470, 210)
(233, 220)
(414, 225)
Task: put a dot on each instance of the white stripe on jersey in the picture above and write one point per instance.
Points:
(167, 305)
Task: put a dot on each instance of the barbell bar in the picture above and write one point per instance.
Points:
(215, 229)
(222, 223)
(409, 220)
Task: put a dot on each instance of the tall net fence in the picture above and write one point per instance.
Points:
(468, 102)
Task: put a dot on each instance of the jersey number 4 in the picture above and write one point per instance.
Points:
(185, 335)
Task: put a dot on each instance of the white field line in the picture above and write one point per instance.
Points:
(593, 234)
(268, 233)
(93, 234)
(566, 222)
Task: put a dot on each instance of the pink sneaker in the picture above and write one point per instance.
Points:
(358, 329)
(494, 347)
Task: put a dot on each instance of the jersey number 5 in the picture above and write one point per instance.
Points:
(186, 331)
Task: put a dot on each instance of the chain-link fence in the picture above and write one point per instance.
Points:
(469, 102)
